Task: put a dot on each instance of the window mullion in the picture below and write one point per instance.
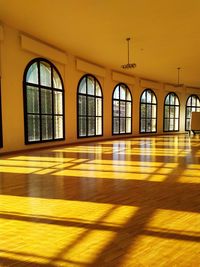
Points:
(40, 108)
(87, 121)
(95, 126)
(52, 109)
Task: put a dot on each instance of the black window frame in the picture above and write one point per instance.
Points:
(119, 116)
(190, 106)
(40, 114)
(169, 118)
(87, 116)
(147, 118)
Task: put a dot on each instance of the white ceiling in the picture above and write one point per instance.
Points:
(166, 33)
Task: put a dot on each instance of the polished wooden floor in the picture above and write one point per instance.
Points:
(126, 203)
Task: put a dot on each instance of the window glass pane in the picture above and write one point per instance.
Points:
(198, 102)
(122, 92)
(172, 112)
(153, 99)
(176, 101)
(46, 101)
(143, 125)
(128, 125)
(47, 131)
(171, 99)
(128, 95)
(193, 109)
(98, 106)
(166, 125)
(45, 74)
(91, 106)
(116, 93)
(58, 127)
(166, 111)
(82, 126)
(33, 128)
(176, 124)
(56, 80)
(98, 89)
(32, 74)
(188, 124)
(128, 109)
(188, 112)
(58, 104)
(82, 105)
(189, 102)
(171, 124)
(115, 125)
(193, 101)
(143, 97)
(143, 110)
(90, 85)
(32, 98)
(198, 109)
(148, 106)
(148, 125)
(149, 96)
(82, 86)
(115, 108)
(98, 126)
(91, 126)
(167, 100)
(176, 112)
(122, 125)
(153, 111)
(122, 108)
(153, 121)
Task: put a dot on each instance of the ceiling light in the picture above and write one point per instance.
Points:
(128, 65)
(178, 78)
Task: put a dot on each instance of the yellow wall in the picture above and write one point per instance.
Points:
(15, 55)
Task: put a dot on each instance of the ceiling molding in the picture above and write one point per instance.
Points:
(41, 49)
(87, 67)
(150, 84)
(120, 77)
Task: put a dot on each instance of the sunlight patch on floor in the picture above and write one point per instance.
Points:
(58, 231)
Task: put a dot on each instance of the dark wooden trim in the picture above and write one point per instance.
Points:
(148, 103)
(173, 105)
(125, 101)
(39, 86)
(190, 106)
(95, 96)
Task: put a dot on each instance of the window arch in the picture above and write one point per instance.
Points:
(90, 107)
(43, 102)
(148, 112)
(121, 110)
(171, 113)
(192, 104)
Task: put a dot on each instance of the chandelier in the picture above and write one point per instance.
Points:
(128, 65)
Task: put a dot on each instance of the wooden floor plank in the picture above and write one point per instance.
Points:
(121, 203)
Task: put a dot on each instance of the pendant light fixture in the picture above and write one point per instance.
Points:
(128, 65)
(178, 78)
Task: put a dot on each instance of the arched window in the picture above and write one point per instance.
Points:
(148, 112)
(90, 107)
(43, 102)
(121, 110)
(192, 104)
(171, 113)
